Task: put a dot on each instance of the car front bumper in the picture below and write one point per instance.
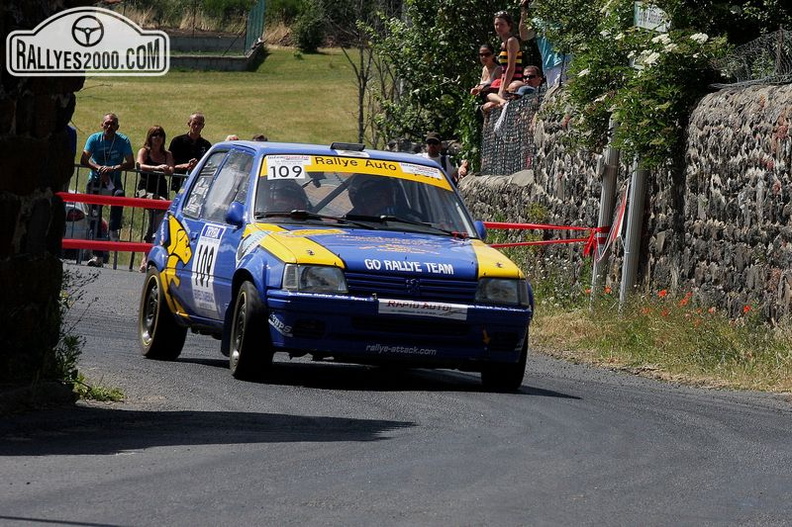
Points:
(368, 330)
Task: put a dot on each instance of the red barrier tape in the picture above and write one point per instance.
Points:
(539, 242)
(541, 226)
(99, 199)
(595, 233)
(97, 245)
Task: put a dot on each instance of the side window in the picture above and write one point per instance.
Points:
(197, 197)
(229, 185)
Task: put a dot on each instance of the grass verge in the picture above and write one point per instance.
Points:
(660, 335)
(668, 337)
(291, 97)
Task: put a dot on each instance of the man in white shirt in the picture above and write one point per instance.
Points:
(433, 152)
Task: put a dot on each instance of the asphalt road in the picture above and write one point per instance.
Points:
(344, 445)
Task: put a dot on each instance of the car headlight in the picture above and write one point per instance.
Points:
(314, 279)
(505, 291)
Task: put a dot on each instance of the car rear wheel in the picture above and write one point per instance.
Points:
(505, 377)
(161, 337)
(251, 352)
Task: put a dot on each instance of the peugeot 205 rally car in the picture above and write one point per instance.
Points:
(339, 252)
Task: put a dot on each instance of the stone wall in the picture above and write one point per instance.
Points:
(718, 227)
(222, 44)
(35, 161)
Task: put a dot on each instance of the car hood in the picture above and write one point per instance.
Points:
(380, 251)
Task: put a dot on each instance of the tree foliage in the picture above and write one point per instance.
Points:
(433, 48)
(648, 81)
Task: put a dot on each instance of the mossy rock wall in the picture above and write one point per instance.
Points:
(717, 226)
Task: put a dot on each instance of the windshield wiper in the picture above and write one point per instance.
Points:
(297, 214)
(302, 215)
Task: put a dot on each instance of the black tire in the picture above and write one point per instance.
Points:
(505, 377)
(161, 337)
(250, 353)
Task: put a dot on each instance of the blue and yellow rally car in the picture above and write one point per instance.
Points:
(339, 252)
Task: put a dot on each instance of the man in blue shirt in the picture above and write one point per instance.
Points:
(107, 153)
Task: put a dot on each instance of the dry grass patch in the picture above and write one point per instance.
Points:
(671, 340)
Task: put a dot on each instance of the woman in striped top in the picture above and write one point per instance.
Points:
(511, 61)
(511, 56)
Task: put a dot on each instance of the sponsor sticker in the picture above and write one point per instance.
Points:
(400, 350)
(421, 170)
(204, 263)
(87, 41)
(279, 325)
(287, 166)
(418, 308)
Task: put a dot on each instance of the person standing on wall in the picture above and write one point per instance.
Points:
(510, 59)
(189, 148)
(433, 152)
(107, 154)
(511, 55)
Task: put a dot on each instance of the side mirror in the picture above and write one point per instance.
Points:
(235, 214)
(481, 230)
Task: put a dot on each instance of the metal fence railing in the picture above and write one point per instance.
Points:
(765, 60)
(134, 221)
(508, 137)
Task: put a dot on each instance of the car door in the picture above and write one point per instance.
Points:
(216, 248)
(206, 278)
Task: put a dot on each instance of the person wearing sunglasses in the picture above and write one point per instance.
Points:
(532, 79)
(491, 72)
(154, 162)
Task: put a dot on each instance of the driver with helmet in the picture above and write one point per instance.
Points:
(372, 196)
(286, 196)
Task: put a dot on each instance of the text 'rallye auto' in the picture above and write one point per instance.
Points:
(343, 253)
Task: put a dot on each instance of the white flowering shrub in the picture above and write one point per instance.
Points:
(648, 81)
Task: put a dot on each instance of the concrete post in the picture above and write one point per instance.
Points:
(632, 245)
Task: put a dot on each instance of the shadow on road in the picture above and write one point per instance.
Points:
(350, 377)
(98, 431)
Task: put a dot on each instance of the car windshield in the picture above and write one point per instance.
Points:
(392, 195)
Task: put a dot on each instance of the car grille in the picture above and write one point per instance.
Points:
(410, 287)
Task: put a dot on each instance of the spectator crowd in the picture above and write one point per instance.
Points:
(504, 77)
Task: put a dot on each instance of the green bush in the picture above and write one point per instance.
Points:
(309, 28)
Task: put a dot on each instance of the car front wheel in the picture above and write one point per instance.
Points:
(505, 377)
(251, 352)
(161, 337)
